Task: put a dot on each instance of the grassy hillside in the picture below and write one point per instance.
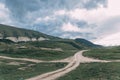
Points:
(46, 50)
(69, 44)
(94, 71)
(110, 53)
(21, 70)
(86, 43)
(10, 31)
(55, 48)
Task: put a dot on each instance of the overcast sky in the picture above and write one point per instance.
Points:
(90, 19)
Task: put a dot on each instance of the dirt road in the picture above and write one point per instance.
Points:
(73, 63)
(78, 58)
(22, 59)
(36, 60)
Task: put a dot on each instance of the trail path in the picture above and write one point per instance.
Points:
(22, 59)
(36, 60)
(73, 63)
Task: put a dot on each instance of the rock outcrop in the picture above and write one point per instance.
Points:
(25, 39)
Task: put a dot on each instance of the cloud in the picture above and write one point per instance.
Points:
(110, 23)
(60, 12)
(65, 18)
(27, 11)
(111, 40)
(1, 1)
(68, 27)
(90, 16)
(21, 8)
(55, 25)
(73, 35)
(4, 14)
(97, 15)
(106, 19)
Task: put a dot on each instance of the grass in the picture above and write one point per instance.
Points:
(11, 72)
(33, 50)
(104, 53)
(11, 31)
(38, 54)
(94, 71)
(68, 46)
(63, 44)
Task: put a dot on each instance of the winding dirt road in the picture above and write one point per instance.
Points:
(36, 60)
(78, 58)
(73, 63)
(22, 59)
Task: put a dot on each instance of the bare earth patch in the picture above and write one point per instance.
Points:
(1, 62)
(15, 63)
(22, 68)
(54, 49)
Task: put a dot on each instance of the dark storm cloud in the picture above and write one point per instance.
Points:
(20, 8)
(24, 13)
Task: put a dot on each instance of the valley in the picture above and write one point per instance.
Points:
(59, 39)
(54, 58)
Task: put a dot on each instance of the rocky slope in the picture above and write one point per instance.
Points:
(18, 34)
(23, 35)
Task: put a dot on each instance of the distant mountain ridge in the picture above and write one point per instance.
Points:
(85, 42)
(19, 34)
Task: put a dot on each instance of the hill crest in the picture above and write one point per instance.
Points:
(19, 34)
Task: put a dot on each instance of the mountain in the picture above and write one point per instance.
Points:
(19, 34)
(111, 40)
(85, 43)
(14, 34)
